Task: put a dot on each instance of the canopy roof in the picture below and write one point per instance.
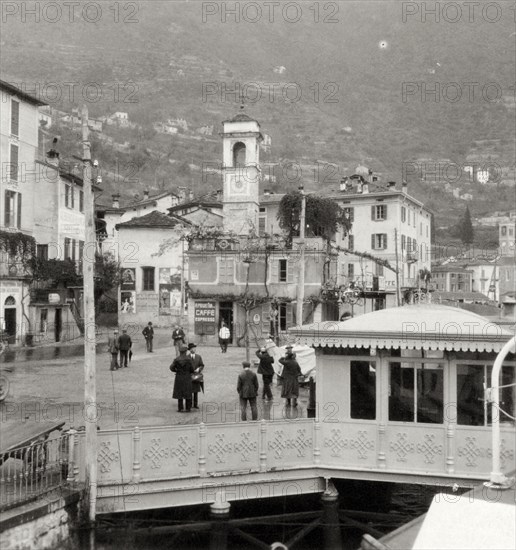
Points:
(422, 326)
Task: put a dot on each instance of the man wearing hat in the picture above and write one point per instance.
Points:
(183, 367)
(197, 377)
(124, 345)
(247, 388)
(290, 374)
(148, 334)
(267, 371)
(113, 350)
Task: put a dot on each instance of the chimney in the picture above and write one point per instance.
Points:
(146, 195)
(404, 187)
(191, 195)
(344, 184)
(391, 184)
(365, 187)
(53, 157)
(370, 176)
(116, 201)
(182, 194)
(219, 195)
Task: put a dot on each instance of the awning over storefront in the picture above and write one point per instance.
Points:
(422, 326)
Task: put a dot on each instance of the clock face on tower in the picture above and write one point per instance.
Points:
(238, 187)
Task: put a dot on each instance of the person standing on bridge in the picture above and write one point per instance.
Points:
(197, 376)
(247, 388)
(183, 368)
(290, 374)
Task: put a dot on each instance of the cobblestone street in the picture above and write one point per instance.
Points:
(52, 390)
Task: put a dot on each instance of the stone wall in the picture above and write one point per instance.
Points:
(47, 524)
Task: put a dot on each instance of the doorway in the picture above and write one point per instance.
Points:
(10, 319)
(226, 315)
(58, 324)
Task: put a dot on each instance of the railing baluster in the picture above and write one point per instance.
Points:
(317, 449)
(202, 449)
(136, 454)
(381, 457)
(450, 447)
(263, 446)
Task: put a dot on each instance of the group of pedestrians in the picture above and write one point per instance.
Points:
(120, 345)
(248, 386)
(189, 380)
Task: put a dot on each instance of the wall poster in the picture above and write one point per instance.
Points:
(128, 301)
(169, 291)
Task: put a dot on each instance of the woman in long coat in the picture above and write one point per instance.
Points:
(291, 372)
(183, 367)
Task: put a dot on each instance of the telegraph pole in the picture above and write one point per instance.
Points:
(88, 265)
(301, 275)
(397, 268)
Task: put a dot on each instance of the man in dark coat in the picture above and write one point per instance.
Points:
(197, 385)
(267, 371)
(183, 368)
(290, 373)
(247, 388)
(113, 350)
(178, 336)
(124, 344)
(148, 334)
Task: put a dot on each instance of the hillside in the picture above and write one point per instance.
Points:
(352, 109)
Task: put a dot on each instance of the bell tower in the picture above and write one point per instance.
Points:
(241, 137)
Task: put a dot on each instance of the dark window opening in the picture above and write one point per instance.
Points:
(282, 271)
(239, 153)
(363, 389)
(148, 278)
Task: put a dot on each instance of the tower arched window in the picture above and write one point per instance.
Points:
(239, 153)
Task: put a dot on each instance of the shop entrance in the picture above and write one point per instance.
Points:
(10, 319)
(226, 315)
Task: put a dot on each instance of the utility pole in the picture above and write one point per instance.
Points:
(397, 268)
(88, 265)
(301, 274)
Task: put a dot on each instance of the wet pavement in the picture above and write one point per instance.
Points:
(49, 387)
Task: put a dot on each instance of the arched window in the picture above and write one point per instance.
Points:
(10, 301)
(239, 154)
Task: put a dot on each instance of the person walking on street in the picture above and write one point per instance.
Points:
(183, 368)
(178, 336)
(113, 350)
(197, 376)
(290, 374)
(124, 344)
(267, 371)
(148, 334)
(247, 388)
(224, 336)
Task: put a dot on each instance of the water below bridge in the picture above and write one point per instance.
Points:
(381, 507)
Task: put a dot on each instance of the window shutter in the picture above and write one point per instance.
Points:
(14, 162)
(290, 270)
(372, 241)
(290, 315)
(384, 211)
(372, 212)
(7, 221)
(385, 241)
(265, 320)
(15, 118)
(274, 271)
(18, 220)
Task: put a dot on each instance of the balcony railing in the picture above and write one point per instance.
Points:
(32, 471)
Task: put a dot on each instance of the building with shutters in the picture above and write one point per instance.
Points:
(18, 152)
(238, 275)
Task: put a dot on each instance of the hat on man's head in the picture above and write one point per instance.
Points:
(288, 346)
(116, 330)
(191, 345)
(246, 364)
(183, 347)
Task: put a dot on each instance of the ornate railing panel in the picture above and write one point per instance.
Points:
(114, 456)
(348, 443)
(289, 444)
(418, 448)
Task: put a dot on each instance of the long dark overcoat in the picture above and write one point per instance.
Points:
(198, 368)
(290, 373)
(183, 367)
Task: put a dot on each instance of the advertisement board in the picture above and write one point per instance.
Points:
(204, 317)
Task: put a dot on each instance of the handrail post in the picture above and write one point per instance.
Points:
(498, 480)
(71, 434)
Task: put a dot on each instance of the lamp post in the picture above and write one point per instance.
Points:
(301, 275)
